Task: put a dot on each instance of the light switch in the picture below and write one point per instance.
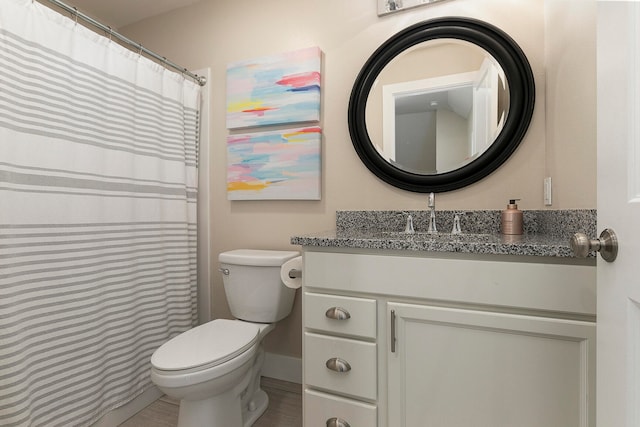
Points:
(547, 191)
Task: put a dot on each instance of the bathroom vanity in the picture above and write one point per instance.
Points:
(450, 330)
(446, 331)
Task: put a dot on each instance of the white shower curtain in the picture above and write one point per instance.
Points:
(98, 185)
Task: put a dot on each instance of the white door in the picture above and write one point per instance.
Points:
(618, 364)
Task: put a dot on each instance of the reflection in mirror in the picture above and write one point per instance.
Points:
(437, 106)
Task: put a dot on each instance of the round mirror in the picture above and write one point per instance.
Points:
(441, 104)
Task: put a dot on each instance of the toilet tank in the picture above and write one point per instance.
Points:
(253, 286)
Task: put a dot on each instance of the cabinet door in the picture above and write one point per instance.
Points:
(459, 368)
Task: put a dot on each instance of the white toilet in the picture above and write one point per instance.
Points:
(214, 369)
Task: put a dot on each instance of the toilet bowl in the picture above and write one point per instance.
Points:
(214, 369)
(208, 378)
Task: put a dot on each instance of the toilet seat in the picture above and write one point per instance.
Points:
(205, 346)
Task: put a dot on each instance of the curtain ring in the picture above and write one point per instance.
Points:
(140, 49)
(110, 33)
(75, 14)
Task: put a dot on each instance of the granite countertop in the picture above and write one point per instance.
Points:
(497, 244)
(547, 233)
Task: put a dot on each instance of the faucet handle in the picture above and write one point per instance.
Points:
(456, 225)
(409, 228)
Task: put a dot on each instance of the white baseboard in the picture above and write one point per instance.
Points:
(280, 367)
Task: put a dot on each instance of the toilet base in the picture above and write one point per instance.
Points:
(221, 411)
(226, 410)
(240, 406)
(260, 404)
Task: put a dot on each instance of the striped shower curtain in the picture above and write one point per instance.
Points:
(98, 185)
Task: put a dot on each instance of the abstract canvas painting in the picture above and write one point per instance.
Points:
(276, 165)
(278, 89)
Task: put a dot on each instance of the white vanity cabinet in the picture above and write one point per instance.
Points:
(448, 340)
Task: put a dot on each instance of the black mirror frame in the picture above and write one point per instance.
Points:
(521, 90)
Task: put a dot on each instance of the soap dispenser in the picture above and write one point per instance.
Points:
(511, 221)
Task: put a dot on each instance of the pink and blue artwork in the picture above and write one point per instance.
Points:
(277, 165)
(278, 89)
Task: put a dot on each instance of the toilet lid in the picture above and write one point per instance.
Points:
(207, 345)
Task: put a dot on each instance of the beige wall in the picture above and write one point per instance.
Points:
(571, 102)
(560, 141)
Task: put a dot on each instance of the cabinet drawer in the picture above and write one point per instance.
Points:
(319, 408)
(361, 321)
(359, 380)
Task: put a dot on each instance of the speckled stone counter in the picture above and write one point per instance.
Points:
(547, 233)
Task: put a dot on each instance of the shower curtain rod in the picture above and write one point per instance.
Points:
(74, 11)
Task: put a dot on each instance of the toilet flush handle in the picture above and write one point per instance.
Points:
(224, 271)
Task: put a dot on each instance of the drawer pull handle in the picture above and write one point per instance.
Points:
(338, 365)
(337, 313)
(337, 422)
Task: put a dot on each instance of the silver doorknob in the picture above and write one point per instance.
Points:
(607, 245)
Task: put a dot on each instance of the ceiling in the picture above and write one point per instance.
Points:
(119, 13)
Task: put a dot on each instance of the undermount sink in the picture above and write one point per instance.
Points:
(439, 236)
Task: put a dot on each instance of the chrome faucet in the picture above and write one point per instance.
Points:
(432, 214)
